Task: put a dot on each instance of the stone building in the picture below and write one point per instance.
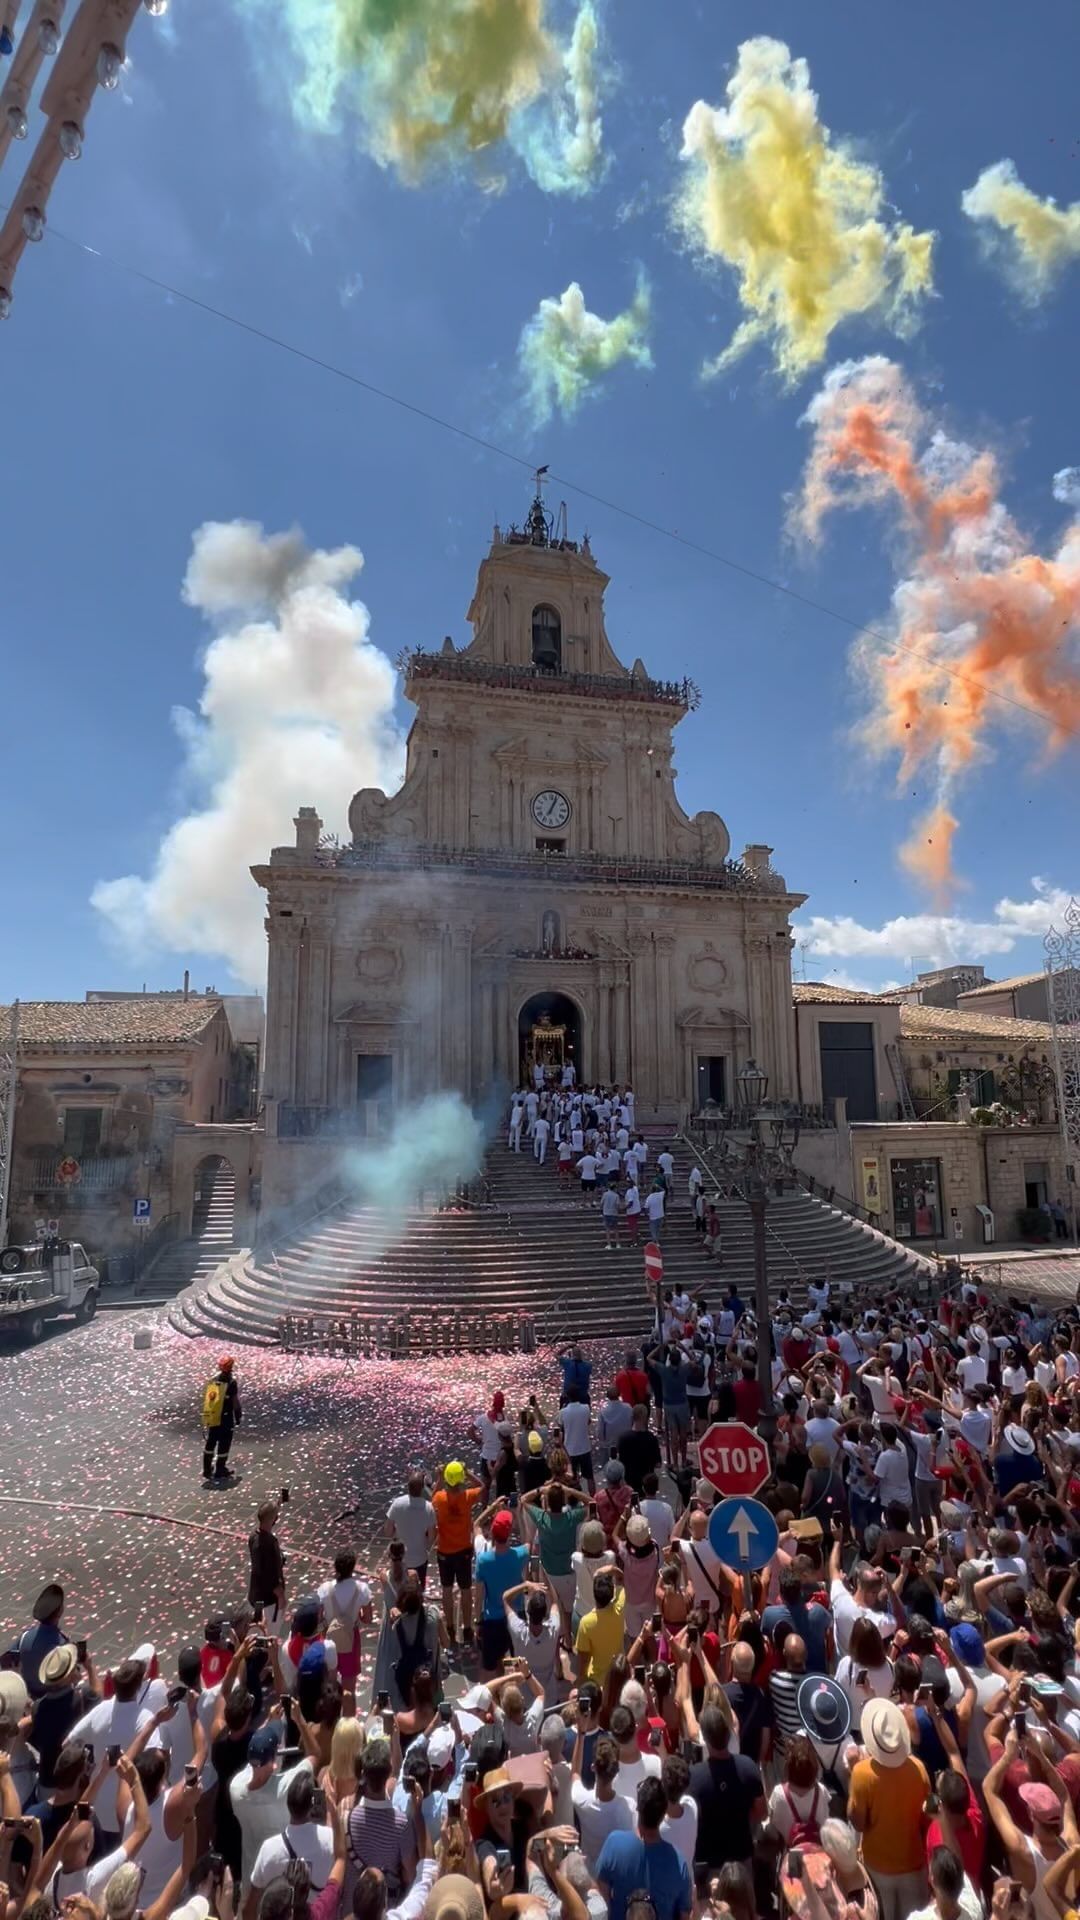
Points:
(534, 889)
(122, 1098)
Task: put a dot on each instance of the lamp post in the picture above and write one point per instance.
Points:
(752, 1084)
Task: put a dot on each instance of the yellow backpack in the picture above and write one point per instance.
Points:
(213, 1403)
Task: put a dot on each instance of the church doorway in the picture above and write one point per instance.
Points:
(549, 1035)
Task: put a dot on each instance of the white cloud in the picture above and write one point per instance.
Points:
(1066, 486)
(296, 710)
(935, 939)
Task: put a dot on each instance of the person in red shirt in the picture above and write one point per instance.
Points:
(632, 1382)
(747, 1395)
(796, 1349)
(960, 1823)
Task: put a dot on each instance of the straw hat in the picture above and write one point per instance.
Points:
(885, 1733)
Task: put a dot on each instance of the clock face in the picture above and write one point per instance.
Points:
(551, 809)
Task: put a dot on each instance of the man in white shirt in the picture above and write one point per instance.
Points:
(517, 1121)
(654, 1212)
(74, 1873)
(641, 1154)
(411, 1519)
(972, 1368)
(659, 1513)
(864, 1604)
(541, 1134)
(701, 1562)
(892, 1470)
(301, 1839)
(666, 1163)
(602, 1808)
(632, 1209)
(532, 1108)
(822, 1430)
(259, 1795)
(114, 1723)
(634, 1766)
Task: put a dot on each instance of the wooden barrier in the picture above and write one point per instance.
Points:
(405, 1336)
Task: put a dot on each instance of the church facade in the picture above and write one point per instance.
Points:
(534, 890)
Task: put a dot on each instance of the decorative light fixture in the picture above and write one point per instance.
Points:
(71, 139)
(110, 62)
(48, 36)
(33, 223)
(752, 1083)
(17, 121)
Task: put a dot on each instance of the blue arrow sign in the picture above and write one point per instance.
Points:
(743, 1533)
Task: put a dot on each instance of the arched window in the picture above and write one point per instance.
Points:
(547, 639)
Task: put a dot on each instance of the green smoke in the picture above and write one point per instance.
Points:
(432, 84)
(564, 349)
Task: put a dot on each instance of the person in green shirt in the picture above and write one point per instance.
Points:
(557, 1512)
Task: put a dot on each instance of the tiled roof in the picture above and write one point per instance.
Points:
(145, 1022)
(817, 992)
(953, 1023)
(1003, 986)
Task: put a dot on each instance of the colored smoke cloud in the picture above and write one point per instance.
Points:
(430, 1147)
(800, 220)
(296, 709)
(984, 628)
(565, 350)
(1034, 239)
(432, 84)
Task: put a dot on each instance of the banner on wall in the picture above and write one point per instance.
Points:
(871, 1184)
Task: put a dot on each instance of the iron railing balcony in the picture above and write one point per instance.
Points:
(593, 869)
(416, 663)
(97, 1173)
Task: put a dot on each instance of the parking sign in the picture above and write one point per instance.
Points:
(140, 1212)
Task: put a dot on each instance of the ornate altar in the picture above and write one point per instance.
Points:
(546, 1046)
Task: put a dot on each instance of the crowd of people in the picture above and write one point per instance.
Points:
(554, 1697)
(589, 1133)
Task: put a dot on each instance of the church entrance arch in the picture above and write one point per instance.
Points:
(549, 1034)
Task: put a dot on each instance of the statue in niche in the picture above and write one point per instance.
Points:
(549, 932)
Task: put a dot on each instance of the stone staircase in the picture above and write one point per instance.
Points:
(193, 1262)
(536, 1248)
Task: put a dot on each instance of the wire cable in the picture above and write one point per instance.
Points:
(263, 334)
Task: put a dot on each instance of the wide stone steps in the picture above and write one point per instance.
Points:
(538, 1249)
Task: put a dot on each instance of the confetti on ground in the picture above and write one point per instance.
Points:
(84, 1418)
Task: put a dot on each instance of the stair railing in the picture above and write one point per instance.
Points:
(700, 1156)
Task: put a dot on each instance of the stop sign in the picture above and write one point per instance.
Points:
(734, 1458)
(654, 1262)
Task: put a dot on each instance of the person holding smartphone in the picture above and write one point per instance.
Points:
(66, 1868)
(308, 1836)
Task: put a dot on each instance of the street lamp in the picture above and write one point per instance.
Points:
(755, 1187)
(752, 1083)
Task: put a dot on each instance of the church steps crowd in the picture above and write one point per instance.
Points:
(555, 1698)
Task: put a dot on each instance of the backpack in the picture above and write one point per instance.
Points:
(412, 1654)
(213, 1403)
(804, 1833)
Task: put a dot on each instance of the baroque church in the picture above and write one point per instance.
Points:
(533, 891)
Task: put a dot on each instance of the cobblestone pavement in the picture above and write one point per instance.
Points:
(90, 1426)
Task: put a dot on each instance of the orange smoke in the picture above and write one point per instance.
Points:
(983, 629)
(927, 855)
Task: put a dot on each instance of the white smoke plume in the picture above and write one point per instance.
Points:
(296, 709)
(1034, 239)
(431, 1146)
(1066, 486)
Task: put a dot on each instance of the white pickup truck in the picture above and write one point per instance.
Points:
(43, 1282)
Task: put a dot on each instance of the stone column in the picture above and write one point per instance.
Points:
(622, 1030)
(282, 993)
(601, 1067)
(486, 1038)
(759, 1007)
(506, 1062)
(430, 1010)
(783, 1016)
(318, 954)
(666, 1049)
(460, 1007)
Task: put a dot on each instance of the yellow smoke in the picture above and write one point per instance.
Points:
(798, 219)
(564, 349)
(1039, 237)
(434, 83)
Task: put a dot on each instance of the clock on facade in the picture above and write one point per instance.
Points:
(551, 809)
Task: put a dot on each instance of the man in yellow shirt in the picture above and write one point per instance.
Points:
(600, 1634)
(886, 1798)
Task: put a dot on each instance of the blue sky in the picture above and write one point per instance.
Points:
(132, 418)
